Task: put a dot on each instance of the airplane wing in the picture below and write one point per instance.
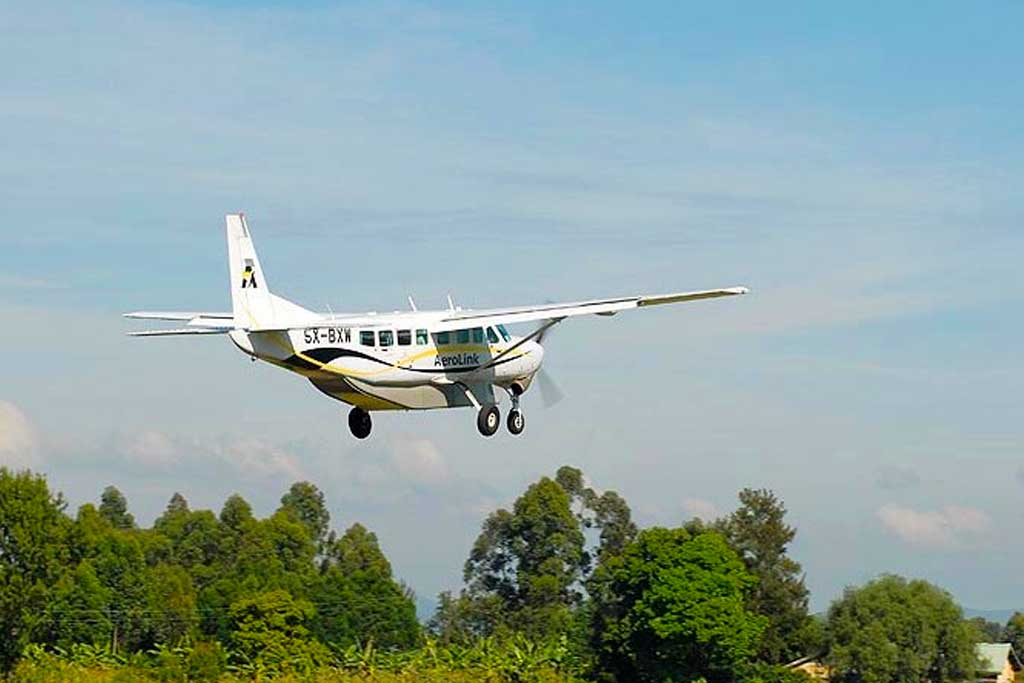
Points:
(522, 314)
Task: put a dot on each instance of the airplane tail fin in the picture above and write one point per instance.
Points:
(253, 305)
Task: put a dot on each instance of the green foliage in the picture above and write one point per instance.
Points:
(305, 503)
(33, 555)
(114, 509)
(986, 631)
(675, 609)
(758, 533)
(773, 673)
(269, 633)
(893, 630)
(517, 660)
(529, 566)
(356, 575)
(1013, 633)
(532, 559)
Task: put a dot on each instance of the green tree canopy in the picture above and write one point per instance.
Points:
(757, 531)
(532, 558)
(358, 598)
(305, 502)
(894, 630)
(674, 609)
(1013, 633)
(33, 556)
(114, 509)
(269, 630)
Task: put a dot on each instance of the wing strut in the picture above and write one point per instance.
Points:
(539, 332)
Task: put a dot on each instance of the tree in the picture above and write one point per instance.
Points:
(268, 630)
(171, 604)
(1013, 633)
(33, 556)
(236, 514)
(757, 531)
(120, 565)
(893, 630)
(77, 610)
(305, 502)
(358, 597)
(114, 509)
(986, 631)
(532, 558)
(675, 609)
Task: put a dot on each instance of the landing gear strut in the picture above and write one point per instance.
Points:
(359, 422)
(488, 420)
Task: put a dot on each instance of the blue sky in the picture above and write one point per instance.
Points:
(859, 168)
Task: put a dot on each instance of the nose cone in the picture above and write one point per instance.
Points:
(535, 357)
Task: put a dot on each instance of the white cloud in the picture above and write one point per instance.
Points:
(419, 461)
(149, 447)
(260, 457)
(154, 449)
(19, 443)
(950, 527)
(697, 507)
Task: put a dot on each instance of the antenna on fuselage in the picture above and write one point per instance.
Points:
(412, 304)
(451, 304)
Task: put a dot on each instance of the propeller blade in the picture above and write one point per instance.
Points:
(550, 394)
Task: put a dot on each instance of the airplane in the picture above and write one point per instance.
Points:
(406, 360)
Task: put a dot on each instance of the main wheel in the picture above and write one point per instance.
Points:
(516, 422)
(359, 422)
(488, 420)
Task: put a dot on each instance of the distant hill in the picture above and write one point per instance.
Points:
(1000, 616)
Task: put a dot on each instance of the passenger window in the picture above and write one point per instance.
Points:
(478, 335)
(462, 336)
(443, 338)
(404, 337)
(421, 337)
(366, 338)
(387, 338)
(492, 336)
(504, 333)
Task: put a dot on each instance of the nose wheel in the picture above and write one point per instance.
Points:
(359, 423)
(516, 422)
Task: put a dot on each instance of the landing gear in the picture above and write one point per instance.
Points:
(359, 422)
(516, 422)
(488, 420)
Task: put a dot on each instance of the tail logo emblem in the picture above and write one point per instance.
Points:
(248, 275)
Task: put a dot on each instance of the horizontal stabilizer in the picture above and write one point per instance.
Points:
(180, 331)
(177, 315)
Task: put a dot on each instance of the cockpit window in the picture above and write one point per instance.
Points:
(443, 338)
(504, 333)
(366, 338)
(462, 336)
(492, 336)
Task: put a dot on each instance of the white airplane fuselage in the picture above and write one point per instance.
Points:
(414, 360)
(401, 366)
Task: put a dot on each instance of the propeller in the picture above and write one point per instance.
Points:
(550, 393)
